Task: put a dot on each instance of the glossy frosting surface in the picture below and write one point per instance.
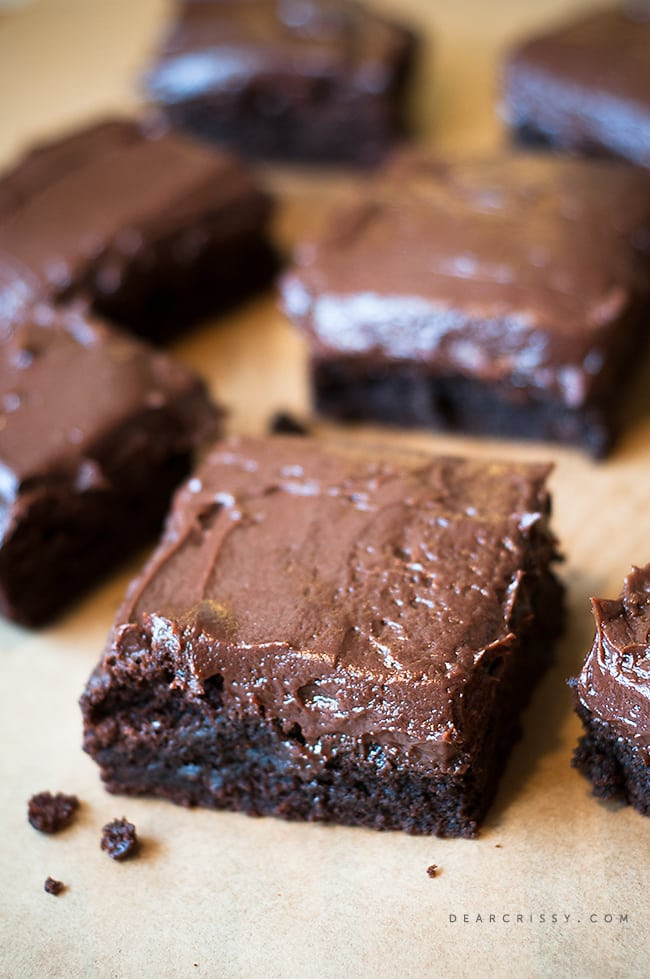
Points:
(615, 680)
(515, 268)
(350, 595)
(221, 46)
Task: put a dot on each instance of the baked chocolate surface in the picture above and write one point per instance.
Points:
(321, 80)
(613, 696)
(96, 430)
(585, 86)
(153, 229)
(504, 295)
(326, 634)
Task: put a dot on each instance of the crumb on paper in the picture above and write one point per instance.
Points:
(432, 870)
(53, 886)
(284, 423)
(119, 839)
(498, 846)
(51, 813)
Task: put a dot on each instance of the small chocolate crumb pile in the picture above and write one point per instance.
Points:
(119, 839)
(284, 423)
(53, 886)
(51, 813)
(432, 870)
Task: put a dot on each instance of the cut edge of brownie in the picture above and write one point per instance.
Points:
(408, 394)
(615, 768)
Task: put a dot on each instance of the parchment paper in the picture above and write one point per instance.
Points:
(564, 877)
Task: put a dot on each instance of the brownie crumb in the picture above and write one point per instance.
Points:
(498, 846)
(53, 886)
(51, 813)
(283, 423)
(432, 870)
(120, 839)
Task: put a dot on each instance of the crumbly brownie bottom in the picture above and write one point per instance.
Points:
(615, 768)
(528, 136)
(71, 540)
(159, 302)
(408, 395)
(340, 134)
(151, 738)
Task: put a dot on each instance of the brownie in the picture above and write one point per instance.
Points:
(51, 813)
(506, 295)
(151, 228)
(613, 697)
(307, 80)
(96, 430)
(585, 86)
(332, 634)
(120, 840)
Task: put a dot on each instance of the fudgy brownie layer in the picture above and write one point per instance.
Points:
(66, 542)
(149, 737)
(409, 395)
(616, 768)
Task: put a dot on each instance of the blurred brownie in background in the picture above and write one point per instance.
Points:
(502, 296)
(585, 86)
(152, 228)
(307, 80)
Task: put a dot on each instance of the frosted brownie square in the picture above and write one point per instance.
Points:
(506, 296)
(332, 634)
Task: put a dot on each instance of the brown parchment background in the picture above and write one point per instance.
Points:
(224, 895)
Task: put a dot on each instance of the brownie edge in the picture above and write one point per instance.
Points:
(613, 697)
(332, 634)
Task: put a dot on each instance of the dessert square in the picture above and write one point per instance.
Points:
(321, 80)
(326, 633)
(153, 229)
(96, 430)
(502, 296)
(585, 86)
(613, 697)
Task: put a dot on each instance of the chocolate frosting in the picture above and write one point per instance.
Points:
(353, 596)
(516, 269)
(614, 684)
(74, 394)
(224, 46)
(77, 215)
(590, 80)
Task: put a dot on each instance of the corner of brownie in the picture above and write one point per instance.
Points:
(332, 634)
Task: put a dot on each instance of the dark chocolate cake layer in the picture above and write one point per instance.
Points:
(96, 430)
(613, 697)
(585, 86)
(507, 295)
(153, 229)
(326, 634)
(321, 80)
